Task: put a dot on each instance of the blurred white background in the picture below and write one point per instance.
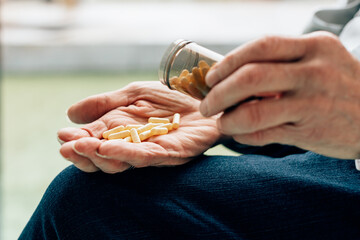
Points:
(75, 35)
(57, 52)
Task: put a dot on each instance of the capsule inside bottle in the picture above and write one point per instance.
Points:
(184, 67)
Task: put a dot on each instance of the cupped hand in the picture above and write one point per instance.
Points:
(134, 104)
(306, 93)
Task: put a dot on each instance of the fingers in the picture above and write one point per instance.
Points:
(260, 115)
(83, 154)
(138, 155)
(250, 80)
(81, 162)
(88, 147)
(94, 107)
(91, 154)
(70, 134)
(268, 49)
(95, 129)
(277, 134)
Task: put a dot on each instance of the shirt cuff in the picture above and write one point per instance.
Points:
(357, 164)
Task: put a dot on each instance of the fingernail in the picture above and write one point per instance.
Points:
(102, 156)
(212, 76)
(60, 141)
(204, 108)
(209, 80)
(77, 151)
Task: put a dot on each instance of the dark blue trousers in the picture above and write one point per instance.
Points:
(298, 195)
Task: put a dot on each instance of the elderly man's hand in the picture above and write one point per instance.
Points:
(134, 104)
(305, 91)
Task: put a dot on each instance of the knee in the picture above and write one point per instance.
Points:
(64, 191)
(60, 201)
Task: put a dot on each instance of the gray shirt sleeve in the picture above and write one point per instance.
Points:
(350, 36)
(333, 20)
(343, 21)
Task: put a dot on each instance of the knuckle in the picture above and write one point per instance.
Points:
(311, 70)
(252, 75)
(112, 166)
(314, 70)
(267, 43)
(255, 139)
(226, 125)
(81, 145)
(323, 39)
(133, 89)
(258, 138)
(327, 36)
(215, 99)
(217, 96)
(230, 61)
(253, 117)
(318, 72)
(134, 85)
(100, 102)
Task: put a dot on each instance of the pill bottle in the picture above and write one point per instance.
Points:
(184, 66)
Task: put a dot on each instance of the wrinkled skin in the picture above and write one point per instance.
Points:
(316, 84)
(134, 104)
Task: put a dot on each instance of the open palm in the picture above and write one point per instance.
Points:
(134, 104)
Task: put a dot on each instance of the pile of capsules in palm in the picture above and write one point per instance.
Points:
(184, 66)
(139, 133)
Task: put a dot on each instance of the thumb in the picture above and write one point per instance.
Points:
(93, 107)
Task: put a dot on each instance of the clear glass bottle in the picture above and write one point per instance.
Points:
(184, 66)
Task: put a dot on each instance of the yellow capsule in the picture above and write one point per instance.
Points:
(176, 121)
(169, 126)
(173, 82)
(119, 135)
(135, 136)
(185, 84)
(194, 92)
(147, 127)
(145, 135)
(176, 84)
(203, 64)
(159, 131)
(199, 80)
(128, 127)
(184, 73)
(204, 71)
(158, 120)
(113, 130)
(128, 139)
